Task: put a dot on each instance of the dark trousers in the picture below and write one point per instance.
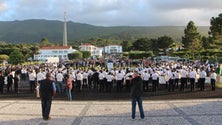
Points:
(108, 86)
(1, 87)
(183, 82)
(119, 86)
(101, 85)
(46, 107)
(192, 81)
(145, 85)
(84, 83)
(213, 81)
(171, 85)
(202, 84)
(176, 82)
(32, 86)
(78, 85)
(127, 85)
(154, 85)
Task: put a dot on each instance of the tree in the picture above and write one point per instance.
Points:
(216, 31)
(154, 46)
(16, 57)
(34, 50)
(75, 55)
(3, 57)
(85, 54)
(127, 45)
(142, 44)
(164, 42)
(44, 42)
(192, 38)
(205, 42)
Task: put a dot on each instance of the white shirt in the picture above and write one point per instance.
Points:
(32, 76)
(203, 74)
(184, 73)
(213, 76)
(59, 77)
(40, 76)
(127, 75)
(155, 76)
(109, 78)
(146, 76)
(101, 76)
(85, 75)
(79, 76)
(192, 74)
(119, 76)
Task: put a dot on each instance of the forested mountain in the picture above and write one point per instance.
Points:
(32, 31)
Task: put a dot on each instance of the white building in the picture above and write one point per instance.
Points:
(113, 49)
(95, 51)
(54, 51)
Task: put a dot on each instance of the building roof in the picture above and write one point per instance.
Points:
(55, 47)
(113, 45)
(86, 44)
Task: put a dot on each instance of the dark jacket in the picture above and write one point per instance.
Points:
(46, 89)
(137, 87)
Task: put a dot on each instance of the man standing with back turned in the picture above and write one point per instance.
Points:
(47, 92)
(136, 93)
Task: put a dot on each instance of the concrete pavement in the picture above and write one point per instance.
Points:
(166, 112)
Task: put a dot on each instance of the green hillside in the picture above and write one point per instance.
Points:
(31, 31)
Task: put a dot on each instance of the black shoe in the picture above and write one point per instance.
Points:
(46, 119)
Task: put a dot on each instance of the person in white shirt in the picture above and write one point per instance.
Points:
(59, 81)
(85, 79)
(192, 76)
(101, 81)
(109, 79)
(32, 77)
(155, 77)
(119, 78)
(40, 76)
(184, 75)
(24, 73)
(213, 77)
(145, 77)
(171, 75)
(128, 78)
(79, 79)
(203, 75)
(177, 78)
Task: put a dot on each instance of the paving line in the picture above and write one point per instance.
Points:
(79, 118)
(183, 114)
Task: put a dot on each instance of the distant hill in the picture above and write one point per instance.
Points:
(31, 31)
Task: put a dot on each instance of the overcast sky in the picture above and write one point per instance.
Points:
(114, 12)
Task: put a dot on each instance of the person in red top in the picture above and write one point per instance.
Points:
(68, 88)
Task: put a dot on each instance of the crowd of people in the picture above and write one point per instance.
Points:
(83, 75)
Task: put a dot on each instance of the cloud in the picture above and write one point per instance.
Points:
(114, 12)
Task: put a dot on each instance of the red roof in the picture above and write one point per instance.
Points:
(55, 47)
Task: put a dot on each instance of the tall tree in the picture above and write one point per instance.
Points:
(44, 42)
(127, 45)
(205, 42)
(142, 44)
(154, 46)
(216, 31)
(192, 38)
(16, 57)
(164, 42)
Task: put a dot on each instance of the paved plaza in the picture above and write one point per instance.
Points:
(170, 112)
